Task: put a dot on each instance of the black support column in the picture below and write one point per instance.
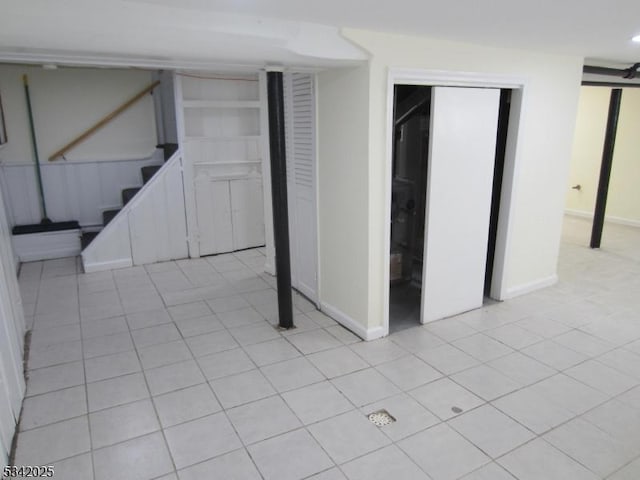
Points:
(279, 200)
(605, 167)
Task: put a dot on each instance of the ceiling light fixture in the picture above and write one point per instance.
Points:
(636, 39)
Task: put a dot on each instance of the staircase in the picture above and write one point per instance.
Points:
(128, 193)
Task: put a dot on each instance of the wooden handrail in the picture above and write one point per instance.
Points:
(90, 131)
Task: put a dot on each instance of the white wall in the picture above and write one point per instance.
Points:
(12, 329)
(343, 165)
(66, 102)
(352, 212)
(623, 201)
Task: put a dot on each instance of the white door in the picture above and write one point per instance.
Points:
(459, 182)
(301, 181)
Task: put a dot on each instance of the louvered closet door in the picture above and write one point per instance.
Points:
(300, 127)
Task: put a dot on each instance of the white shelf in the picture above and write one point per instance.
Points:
(221, 103)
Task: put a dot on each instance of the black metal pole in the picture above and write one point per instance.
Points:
(605, 167)
(277, 150)
(34, 143)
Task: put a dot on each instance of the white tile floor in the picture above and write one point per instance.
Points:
(174, 371)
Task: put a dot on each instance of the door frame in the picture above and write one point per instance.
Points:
(439, 78)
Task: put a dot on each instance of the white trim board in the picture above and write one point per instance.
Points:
(530, 287)
(520, 86)
(607, 218)
(349, 323)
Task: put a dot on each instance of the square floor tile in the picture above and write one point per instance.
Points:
(450, 329)
(225, 363)
(569, 393)
(524, 370)
(331, 474)
(490, 430)
(317, 402)
(262, 419)
(532, 410)
(236, 465)
(583, 343)
(337, 361)
(379, 351)
(272, 351)
(623, 361)
(482, 347)
(348, 436)
(74, 467)
(491, 471)
(390, 462)
(619, 420)
(107, 345)
(602, 377)
(410, 417)
(173, 377)
(408, 372)
(109, 366)
(630, 471)
(538, 460)
(445, 398)
(106, 326)
(342, 334)
(189, 310)
(242, 388)
(209, 343)
(116, 424)
(58, 377)
(292, 374)
(514, 336)
(116, 391)
(44, 445)
(186, 404)
(593, 448)
(165, 354)
(53, 407)
(150, 318)
(56, 354)
(443, 453)
(365, 386)
(201, 439)
(142, 458)
(227, 304)
(146, 337)
(486, 382)
(291, 456)
(542, 326)
(313, 341)
(198, 326)
(554, 355)
(415, 339)
(256, 333)
(239, 317)
(447, 359)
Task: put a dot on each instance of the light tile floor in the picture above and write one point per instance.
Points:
(174, 371)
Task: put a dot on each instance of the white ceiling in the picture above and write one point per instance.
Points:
(595, 29)
(201, 33)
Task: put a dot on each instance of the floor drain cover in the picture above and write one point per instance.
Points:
(381, 418)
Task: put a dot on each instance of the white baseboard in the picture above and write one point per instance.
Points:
(608, 218)
(349, 323)
(32, 247)
(110, 265)
(531, 286)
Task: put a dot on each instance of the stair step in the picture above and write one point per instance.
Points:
(128, 194)
(148, 172)
(169, 149)
(107, 216)
(87, 238)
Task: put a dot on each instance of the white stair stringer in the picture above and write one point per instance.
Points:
(150, 228)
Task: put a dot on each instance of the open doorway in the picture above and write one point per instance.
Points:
(411, 149)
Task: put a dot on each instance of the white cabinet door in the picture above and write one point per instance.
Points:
(301, 181)
(247, 213)
(213, 212)
(459, 183)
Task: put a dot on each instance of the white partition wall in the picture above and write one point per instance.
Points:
(12, 329)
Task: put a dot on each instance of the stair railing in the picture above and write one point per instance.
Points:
(103, 121)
